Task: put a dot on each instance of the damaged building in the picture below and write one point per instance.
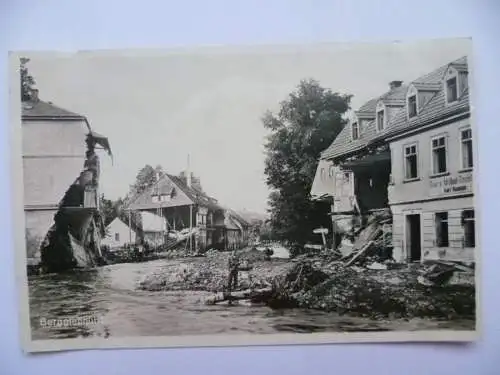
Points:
(61, 175)
(408, 154)
(176, 209)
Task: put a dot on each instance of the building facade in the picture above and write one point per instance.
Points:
(411, 151)
(185, 207)
(431, 194)
(118, 235)
(53, 148)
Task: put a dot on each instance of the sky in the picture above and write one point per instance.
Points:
(158, 107)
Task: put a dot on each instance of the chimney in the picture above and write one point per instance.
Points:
(34, 95)
(395, 84)
(188, 171)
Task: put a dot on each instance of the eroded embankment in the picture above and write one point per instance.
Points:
(319, 283)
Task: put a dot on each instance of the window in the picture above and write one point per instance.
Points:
(355, 130)
(439, 155)
(411, 162)
(380, 120)
(323, 174)
(442, 229)
(331, 171)
(451, 90)
(469, 225)
(117, 236)
(466, 139)
(346, 177)
(412, 106)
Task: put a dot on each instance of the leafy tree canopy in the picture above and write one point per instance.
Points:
(27, 81)
(144, 179)
(306, 124)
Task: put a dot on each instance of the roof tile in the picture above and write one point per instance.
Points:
(46, 110)
(434, 109)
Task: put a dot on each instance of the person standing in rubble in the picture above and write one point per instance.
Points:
(233, 265)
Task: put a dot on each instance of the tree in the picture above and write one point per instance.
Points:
(27, 81)
(306, 124)
(110, 209)
(144, 179)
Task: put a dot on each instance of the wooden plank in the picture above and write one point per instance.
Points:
(361, 252)
(235, 296)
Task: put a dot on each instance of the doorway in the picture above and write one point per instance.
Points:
(413, 237)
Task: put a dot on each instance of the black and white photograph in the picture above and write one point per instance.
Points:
(245, 195)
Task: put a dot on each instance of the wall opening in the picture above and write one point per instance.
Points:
(442, 238)
(413, 237)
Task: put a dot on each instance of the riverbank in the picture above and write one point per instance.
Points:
(323, 283)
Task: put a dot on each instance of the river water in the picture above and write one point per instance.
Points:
(108, 304)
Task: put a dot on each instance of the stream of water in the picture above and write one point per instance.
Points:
(108, 299)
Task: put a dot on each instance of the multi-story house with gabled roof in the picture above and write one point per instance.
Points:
(413, 153)
(180, 204)
(431, 194)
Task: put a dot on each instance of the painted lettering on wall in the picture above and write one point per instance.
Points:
(460, 184)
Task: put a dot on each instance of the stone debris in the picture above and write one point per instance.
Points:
(210, 273)
(376, 266)
(377, 293)
(372, 288)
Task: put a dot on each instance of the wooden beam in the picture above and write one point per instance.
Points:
(360, 252)
(190, 227)
(129, 226)
(242, 295)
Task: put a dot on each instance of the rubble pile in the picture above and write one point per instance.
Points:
(332, 286)
(209, 273)
(372, 285)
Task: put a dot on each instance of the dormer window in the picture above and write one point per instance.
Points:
(452, 90)
(355, 130)
(412, 101)
(451, 85)
(412, 106)
(380, 120)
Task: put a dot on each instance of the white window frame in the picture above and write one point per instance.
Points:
(117, 237)
(451, 73)
(331, 171)
(358, 128)
(412, 92)
(416, 106)
(434, 173)
(461, 140)
(405, 147)
(384, 117)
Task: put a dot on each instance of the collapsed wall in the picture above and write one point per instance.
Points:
(357, 231)
(74, 238)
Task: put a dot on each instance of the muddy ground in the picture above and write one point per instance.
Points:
(327, 284)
